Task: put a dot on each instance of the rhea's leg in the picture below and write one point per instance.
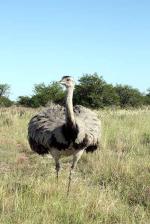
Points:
(57, 167)
(56, 156)
(76, 158)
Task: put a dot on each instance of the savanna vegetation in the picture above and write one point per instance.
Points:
(90, 91)
(109, 186)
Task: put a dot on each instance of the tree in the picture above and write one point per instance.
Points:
(4, 93)
(92, 91)
(110, 97)
(5, 102)
(89, 91)
(129, 96)
(42, 95)
(52, 92)
(24, 101)
(4, 90)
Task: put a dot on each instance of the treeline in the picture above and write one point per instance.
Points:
(90, 91)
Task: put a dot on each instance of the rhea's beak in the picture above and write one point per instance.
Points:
(61, 82)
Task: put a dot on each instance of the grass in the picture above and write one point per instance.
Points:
(110, 186)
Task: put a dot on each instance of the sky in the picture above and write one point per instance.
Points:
(42, 40)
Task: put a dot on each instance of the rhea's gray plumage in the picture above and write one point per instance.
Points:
(66, 130)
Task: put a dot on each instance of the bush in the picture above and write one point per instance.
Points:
(92, 91)
(5, 102)
(128, 96)
(42, 95)
(24, 101)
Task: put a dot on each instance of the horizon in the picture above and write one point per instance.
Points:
(31, 92)
(42, 41)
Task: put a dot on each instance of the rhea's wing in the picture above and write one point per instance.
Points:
(45, 128)
(89, 126)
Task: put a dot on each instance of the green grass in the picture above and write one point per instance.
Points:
(109, 186)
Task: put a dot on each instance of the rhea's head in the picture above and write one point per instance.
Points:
(67, 81)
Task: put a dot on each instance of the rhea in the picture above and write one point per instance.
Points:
(67, 131)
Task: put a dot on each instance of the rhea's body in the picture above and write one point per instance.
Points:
(65, 130)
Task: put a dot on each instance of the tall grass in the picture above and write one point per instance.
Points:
(109, 186)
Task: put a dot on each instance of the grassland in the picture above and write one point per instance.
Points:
(110, 186)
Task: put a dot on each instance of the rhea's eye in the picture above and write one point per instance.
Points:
(68, 79)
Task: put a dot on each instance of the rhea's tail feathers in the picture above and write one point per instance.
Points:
(40, 149)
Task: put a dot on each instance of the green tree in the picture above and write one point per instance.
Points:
(4, 93)
(92, 91)
(42, 95)
(5, 102)
(89, 91)
(110, 97)
(129, 96)
(24, 101)
(4, 90)
(52, 92)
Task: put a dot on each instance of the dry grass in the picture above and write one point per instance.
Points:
(110, 186)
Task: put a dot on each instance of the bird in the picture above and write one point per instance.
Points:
(65, 130)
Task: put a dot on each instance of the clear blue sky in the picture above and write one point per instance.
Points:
(41, 40)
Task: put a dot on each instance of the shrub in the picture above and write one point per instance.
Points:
(92, 91)
(129, 96)
(5, 102)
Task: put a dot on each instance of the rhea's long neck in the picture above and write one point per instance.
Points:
(69, 107)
